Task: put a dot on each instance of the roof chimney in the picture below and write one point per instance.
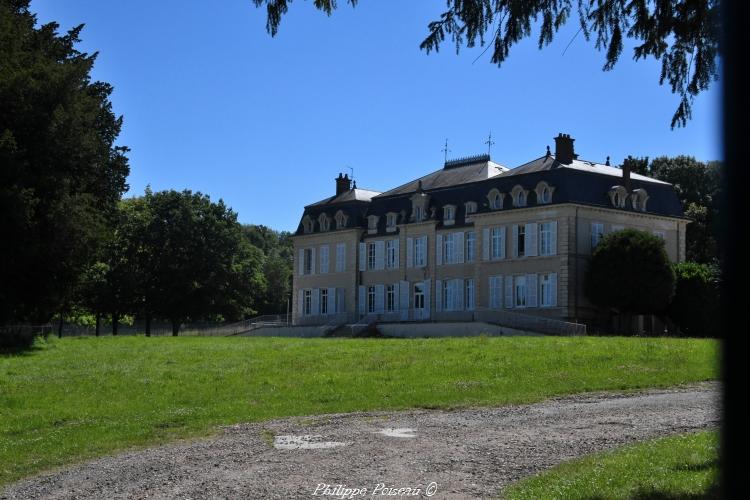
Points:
(343, 184)
(626, 174)
(564, 148)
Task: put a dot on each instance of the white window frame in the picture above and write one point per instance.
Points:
(391, 259)
(371, 256)
(449, 249)
(370, 294)
(390, 298)
(420, 251)
(323, 301)
(449, 214)
(324, 259)
(340, 257)
(545, 238)
(307, 302)
(470, 294)
(519, 285)
(497, 241)
(391, 219)
(546, 293)
(471, 246)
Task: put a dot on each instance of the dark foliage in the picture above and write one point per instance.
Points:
(61, 174)
(696, 304)
(630, 273)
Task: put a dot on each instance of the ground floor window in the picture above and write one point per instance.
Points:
(520, 291)
(307, 302)
(548, 289)
(470, 295)
(390, 298)
(418, 296)
(323, 301)
(370, 299)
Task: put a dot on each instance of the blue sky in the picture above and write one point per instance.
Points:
(212, 103)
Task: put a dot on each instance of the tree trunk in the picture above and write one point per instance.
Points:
(60, 326)
(148, 325)
(175, 327)
(115, 323)
(98, 323)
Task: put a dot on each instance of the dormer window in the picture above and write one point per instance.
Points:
(639, 199)
(308, 226)
(372, 223)
(471, 208)
(449, 214)
(391, 219)
(341, 219)
(519, 196)
(617, 196)
(418, 214)
(495, 198)
(420, 201)
(544, 193)
(324, 222)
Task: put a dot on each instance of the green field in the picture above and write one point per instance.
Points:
(72, 399)
(677, 467)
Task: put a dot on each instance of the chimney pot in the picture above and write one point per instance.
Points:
(564, 151)
(626, 174)
(343, 184)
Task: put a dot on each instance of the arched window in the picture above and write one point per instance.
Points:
(308, 225)
(324, 222)
(341, 219)
(639, 199)
(544, 193)
(519, 195)
(495, 197)
(617, 196)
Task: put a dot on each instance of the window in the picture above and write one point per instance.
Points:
(470, 295)
(390, 221)
(324, 222)
(324, 259)
(471, 208)
(420, 251)
(340, 257)
(370, 299)
(545, 238)
(418, 296)
(307, 303)
(323, 301)
(543, 192)
(548, 290)
(497, 243)
(471, 244)
(639, 199)
(660, 235)
(418, 214)
(521, 199)
(307, 224)
(496, 291)
(597, 233)
(449, 249)
(520, 291)
(371, 256)
(618, 195)
(372, 223)
(449, 214)
(496, 199)
(390, 298)
(452, 294)
(308, 261)
(521, 241)
(391, 257)
(340, 220)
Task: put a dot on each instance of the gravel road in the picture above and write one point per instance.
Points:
(468, 453)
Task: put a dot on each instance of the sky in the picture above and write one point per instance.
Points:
(212, 103)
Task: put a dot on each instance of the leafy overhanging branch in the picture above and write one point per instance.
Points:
(682, 34)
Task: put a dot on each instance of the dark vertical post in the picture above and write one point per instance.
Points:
(98, 323)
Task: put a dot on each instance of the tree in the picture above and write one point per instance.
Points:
(696, 305)
(277, 248)
(698, 186)
(637, 165)
(682, 35)
(61, 175)
(193, 261)
(630, 273)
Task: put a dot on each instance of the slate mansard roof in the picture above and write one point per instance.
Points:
(458, 182)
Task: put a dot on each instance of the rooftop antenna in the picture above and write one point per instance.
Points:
(489, 143)
(446, 150)
(352, 176)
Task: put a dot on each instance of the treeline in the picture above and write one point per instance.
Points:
(70, 247)
(179, 257)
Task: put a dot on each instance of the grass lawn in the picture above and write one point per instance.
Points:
(678, 467)
(77, 398)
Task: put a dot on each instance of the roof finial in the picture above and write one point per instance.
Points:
(489, 143)
(607, 163)
(354, 185)
(548, 152)
(446, 150)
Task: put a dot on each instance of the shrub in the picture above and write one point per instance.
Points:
(695, 308)
(19, 338)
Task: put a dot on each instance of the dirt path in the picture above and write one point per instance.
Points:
(465, 453)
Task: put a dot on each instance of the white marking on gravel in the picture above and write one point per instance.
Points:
(306, 442)
(404, 432)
